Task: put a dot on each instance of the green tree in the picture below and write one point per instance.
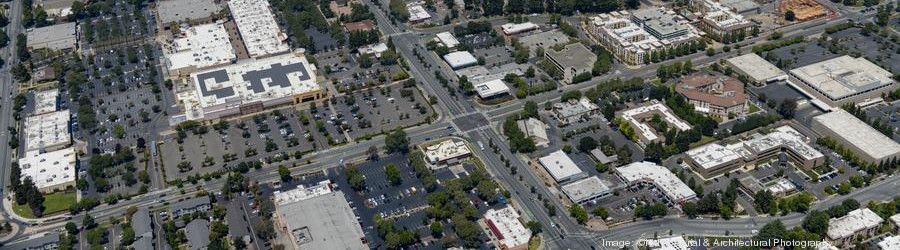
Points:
(284, 173)
(816, 222)
(771, 231)
(579, 213)
(586, 144)
(601, 212)
(789, 16)
(355, 178)
(397, 142)
(393, 174)
(437, 229)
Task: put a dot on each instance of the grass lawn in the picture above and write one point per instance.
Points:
(534, 243)
(753, 108)
(53, 203)
(703, 140)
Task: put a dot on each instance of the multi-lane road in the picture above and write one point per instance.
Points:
(562, 232)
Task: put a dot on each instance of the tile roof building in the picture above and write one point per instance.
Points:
(720, 96)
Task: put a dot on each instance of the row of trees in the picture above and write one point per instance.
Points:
(679, 50)
(25, 191)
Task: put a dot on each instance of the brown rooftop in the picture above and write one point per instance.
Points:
(721, 91)
(364, 25)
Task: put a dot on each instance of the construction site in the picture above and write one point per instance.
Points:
(804, 10)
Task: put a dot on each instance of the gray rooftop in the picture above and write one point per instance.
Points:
(35, 242)
(197, 233)
(574, 55)
(275, 75)
(141, 223)
(190, 203)
(143, 243)
(323, 222)
(55, 37)
(659, 22)
(180, 10)
(871, 142)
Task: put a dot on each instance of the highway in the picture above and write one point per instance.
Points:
(561, 231)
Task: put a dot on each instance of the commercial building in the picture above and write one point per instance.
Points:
(720, 96)
(633, 37)
(491, 88)
(54, 37)
(199, 47)
(56, 8)
(561, 167)
(573, 60)
(544, 40)
(782, 187)
(669, 243)
(460, 59)
(889, 243)
(586, 189)
(601, 157)
(895, 221)
(639, 173)
(741, 6)
(373, 49)
(845, 80)
(361, 26)
(638, 118)
(417, 13)
(50, 171)
(142, 226)
(574, 110)
(714, 159)
(756, 68)
(45, 101)
(534, 129)
(518, 28)
(447, 39)
(258, 28)
(854, 134)
(190, 11)
(319, 218)
(857, 224)
(505, 229)
(480, 73)
(717, 20)
(47, 132)
(197, 234)
(446, 150)
(189, 206)
(250, 86)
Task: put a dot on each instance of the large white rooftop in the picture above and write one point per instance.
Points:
(445, 150)
(258, 28)
(49, 169)
(322, 222)
(515, 28)
(201, 46)
(784, 136)
(447, 39)
(491, 88)
(573, 108)
(586, 189)
(47, 130)
(181, 10)
(722, 17)
(460, 59)
(506, 226)
(55, 37)
(781, 187)
(853, 222)
(248, 81)
(757, 68)
(858, 133)
(712, 155)
(843, 76)
(417, 13)
(670, 243)
(890, 243)
(560, 166)
(664, 179)
(302, 193)
(45, 101)
(633, 116)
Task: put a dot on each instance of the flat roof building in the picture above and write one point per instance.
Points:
(544, 40)
(573, 60)
(54, 37)
(460, 59)
(854, 134)
(56, 8)
(669, 243)
(756, 68)
(895, 220)
(491, 88)
(191, 11)
(197, 232)
(651, 173)
(561, 167)
(720, 96)
(741, 6)
(417, 13)
(601, 157)
(373, 49)
(324, 221)
(632, 37)
(189, 206)
(534, 129)
(857, 224)
(719, 20)
(505, 229)
(637, 119)
(447, 39)
(574, 110)
(199, 47)
(50, 171)
(889, 243)
(45, 101)
(302, 193)
(446, 150)
(48, 131)
(586, 189)
(714, 159)
(258, 28)
(516, 28)
(250, 86)
(845, 80)
(481, 73)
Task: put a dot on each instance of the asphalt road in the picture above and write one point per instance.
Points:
(8, 85)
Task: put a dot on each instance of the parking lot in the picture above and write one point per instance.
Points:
(371, 112)
(887, 114)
